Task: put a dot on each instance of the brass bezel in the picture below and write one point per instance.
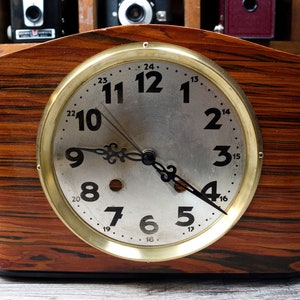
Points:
(138, 52)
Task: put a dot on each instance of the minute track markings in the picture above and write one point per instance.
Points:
(167, 117)
(166, 174)
(208, 89)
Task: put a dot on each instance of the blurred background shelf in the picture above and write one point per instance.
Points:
(191, 13)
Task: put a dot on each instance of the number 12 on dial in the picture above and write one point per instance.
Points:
(155, 152)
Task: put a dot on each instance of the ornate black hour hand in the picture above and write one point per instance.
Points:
(148, 157)
(110, 152)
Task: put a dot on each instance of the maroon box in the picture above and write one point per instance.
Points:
(249, 18)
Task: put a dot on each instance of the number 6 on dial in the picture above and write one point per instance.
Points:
(158, 145)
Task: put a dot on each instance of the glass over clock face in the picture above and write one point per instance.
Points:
(149, 152)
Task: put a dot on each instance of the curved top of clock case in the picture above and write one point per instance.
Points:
(265, 240)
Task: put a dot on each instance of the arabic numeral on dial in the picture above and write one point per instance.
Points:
(223, 152)
(71, 113)
(89, 191)
(188, 218)
(102, 80)
(149, 239)
(236, 156)
(191, 228)
(117, 214)
(194, 78)
(148, 226)
(185, 87)
(106, 228)
(76, 199)
(226, 111)
(75, 155)
(154, 88)
(224, 198)
(108, 92)
(149, 66)
(210, 191)
(90, 119)
(216, 116)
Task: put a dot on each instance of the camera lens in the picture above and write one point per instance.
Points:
(135, 13)
(250, 5)
(33, 13)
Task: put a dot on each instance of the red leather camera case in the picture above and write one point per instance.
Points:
(248, 23)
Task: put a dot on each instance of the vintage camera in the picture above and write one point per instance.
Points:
(41, 20)
(250, 19)
(124, 12)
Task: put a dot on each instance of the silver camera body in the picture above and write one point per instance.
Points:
(33, 12)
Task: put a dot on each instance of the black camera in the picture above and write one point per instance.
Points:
(124, 12)
(42, 20)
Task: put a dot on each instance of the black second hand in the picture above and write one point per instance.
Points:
(120, 129)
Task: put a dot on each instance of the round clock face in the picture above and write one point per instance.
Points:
(149, 152)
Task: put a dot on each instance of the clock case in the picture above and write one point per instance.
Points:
(266, 240)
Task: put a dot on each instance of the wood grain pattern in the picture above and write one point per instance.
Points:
(267, 238)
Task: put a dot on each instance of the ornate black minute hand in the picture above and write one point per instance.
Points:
(149, 158)
(169, 174)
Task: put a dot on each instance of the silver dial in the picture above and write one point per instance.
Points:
(154, 153)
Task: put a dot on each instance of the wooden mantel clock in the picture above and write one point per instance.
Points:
(149, 150)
